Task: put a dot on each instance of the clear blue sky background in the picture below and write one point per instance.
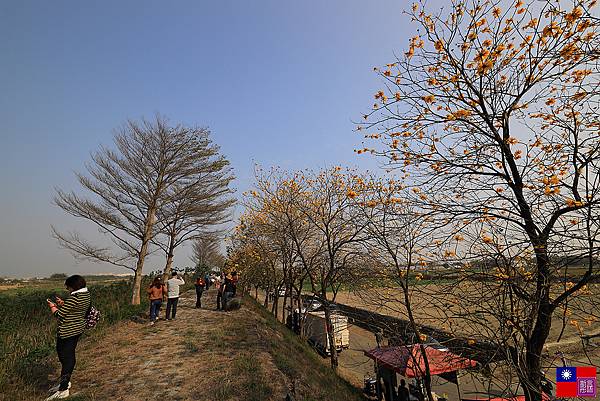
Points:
(278, 82)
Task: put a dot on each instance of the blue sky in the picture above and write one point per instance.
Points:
(278, 83)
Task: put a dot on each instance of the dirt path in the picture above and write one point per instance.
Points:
(181, 359)
(242, 355)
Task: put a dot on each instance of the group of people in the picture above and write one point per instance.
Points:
(226, 286)
(158, 292)
(72, 313)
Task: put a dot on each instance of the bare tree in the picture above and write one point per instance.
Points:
(127, 187)
(206, 250)
(277, 197)
(304, 228)
(198, 203)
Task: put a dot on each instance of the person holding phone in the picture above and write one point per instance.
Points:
(71, 324)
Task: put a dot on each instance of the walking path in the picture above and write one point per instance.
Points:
(242, 355)
(188, 358)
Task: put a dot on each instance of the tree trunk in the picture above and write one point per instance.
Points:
(169, 263)
(137, 284)
(137, 281)
(417, 333)
(531, 380)
(283, 309)
(139, 267)
(532, 383)
(301, 315)
(275, 305)
(331, 337)
(168, 266)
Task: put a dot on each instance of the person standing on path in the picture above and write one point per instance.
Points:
(228, 291)
(219, 288)
(173, 294)
(156, 292)
(71, 315)
(403, 393)
(200, 284)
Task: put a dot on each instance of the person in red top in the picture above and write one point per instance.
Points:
(200, 284)
(156, 293)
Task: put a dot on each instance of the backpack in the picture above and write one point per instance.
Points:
(92, 317)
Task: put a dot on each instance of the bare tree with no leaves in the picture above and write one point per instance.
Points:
(206, 252)
(127, 187)
(195, 206)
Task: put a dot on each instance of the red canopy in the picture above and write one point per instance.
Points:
(545, 397)
(408, 361)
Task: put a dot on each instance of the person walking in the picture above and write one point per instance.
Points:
(219, 288)
(200, 284)
(71, 315)
(156, 292)
(235, 278)
(173, 294)
(403, 393)
(228, 292)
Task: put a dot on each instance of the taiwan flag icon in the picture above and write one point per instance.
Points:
(576, 382)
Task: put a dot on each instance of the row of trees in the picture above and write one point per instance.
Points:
(489, 124)
(159, 187)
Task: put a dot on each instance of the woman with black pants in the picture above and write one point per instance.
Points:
(200, 284)
(71, 324)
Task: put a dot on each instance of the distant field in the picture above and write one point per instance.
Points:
(430, 309)
(15, 286)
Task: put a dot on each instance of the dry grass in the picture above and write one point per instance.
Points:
(243, 355)
(435, 314)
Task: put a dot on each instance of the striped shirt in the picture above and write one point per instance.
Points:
(71, 316)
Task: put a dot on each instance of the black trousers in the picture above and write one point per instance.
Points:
(199, 297)
(172, 307)
(65, 348)
(219, 296)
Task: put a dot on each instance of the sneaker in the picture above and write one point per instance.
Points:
(58, 395)
(152, 323)
(54, 389)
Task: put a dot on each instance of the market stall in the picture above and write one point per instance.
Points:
(408, 361)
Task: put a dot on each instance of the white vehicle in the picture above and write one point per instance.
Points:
(316, 330)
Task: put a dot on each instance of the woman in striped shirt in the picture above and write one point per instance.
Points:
(71, 324)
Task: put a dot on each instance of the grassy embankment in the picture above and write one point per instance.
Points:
(268, 356)
(27, 330)
(243, 355)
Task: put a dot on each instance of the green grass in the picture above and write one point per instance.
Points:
(190, 343)
(263, 357)
(254, 381)
(28, 331)
(55, 286)
(315, 381)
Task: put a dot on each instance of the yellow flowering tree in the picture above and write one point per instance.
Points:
(307, 229)
(491, 114)
(398, 240)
